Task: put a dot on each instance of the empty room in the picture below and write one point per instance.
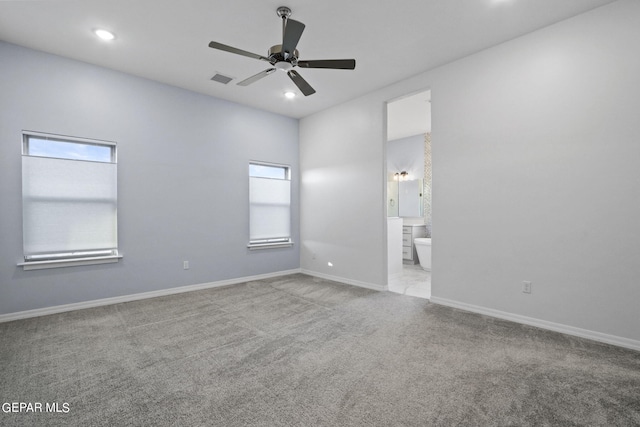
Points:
(419, 213)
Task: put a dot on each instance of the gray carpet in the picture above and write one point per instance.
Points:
(301, 351)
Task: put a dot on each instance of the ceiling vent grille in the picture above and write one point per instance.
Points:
(220, 78)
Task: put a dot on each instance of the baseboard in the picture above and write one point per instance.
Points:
(557, 327)
(134, 297)
(358, 283)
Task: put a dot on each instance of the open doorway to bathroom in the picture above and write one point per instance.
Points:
(408, 194)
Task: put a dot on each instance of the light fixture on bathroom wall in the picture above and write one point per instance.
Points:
(401, 176)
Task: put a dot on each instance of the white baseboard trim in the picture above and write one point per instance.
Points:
(557, 327)
(344, 280)
(134, 297)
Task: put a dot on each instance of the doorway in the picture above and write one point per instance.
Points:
(408, 192)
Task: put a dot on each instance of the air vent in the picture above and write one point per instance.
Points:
(220, 78)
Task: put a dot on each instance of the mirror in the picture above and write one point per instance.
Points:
(405, 198)
(410, 198)
(392, 198)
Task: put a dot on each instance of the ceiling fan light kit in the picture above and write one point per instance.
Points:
(285, 56)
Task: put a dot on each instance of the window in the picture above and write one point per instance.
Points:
(269, 205)
(69, 201)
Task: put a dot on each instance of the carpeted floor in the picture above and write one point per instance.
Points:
(301, 351)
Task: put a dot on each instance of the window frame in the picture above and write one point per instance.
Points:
(26, 135)
(268, 243)
(57, 259)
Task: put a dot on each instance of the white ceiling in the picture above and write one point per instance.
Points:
(167, 40)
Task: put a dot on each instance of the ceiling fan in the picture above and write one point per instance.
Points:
(285, 56)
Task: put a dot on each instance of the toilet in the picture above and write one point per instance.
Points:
(423, 247)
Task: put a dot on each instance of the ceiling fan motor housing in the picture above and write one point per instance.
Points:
(276, 55)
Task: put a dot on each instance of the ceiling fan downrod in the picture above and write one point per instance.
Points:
(284, 12)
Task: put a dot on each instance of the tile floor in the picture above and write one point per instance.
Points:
(413, 281)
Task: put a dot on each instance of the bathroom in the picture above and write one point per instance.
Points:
(408, 194)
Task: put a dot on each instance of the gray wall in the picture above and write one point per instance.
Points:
(182, 178)
(342, 205)
(535, 177)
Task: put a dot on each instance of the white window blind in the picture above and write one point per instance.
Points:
(269, 204)
(69, 199)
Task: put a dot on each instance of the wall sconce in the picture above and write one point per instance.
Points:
(401, 176)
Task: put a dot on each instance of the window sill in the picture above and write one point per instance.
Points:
(257, 246)
(58, 263)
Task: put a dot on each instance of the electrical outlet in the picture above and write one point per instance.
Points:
(185, 265)
(526, 287)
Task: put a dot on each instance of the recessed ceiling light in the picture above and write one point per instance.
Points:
(289, 95)
(104, 34)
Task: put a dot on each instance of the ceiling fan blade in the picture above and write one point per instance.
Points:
(336, 64)
(302, 84)
(220, 46)
(256, 77)
(292, 33)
